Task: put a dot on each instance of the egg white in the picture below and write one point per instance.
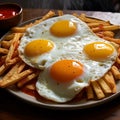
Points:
(57, 91)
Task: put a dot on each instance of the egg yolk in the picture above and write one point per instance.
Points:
(98, 50)
(38, 47)
(66, 70)
(63, 28)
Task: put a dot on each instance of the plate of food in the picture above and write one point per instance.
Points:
(62, 61)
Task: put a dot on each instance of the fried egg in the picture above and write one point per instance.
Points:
(61, 81)
(69, 55)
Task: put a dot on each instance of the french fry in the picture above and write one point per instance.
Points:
(98, 90)
(9, 37)
(3, 68)
(106, 89)
(21, 75)
(108, 33)
(30, 86)
(100, 35)
(89, 91)
(110, 81)
(5, 44)
(18, 29)
(92, 25)
(115, 72)
(10, 73)
(48, 15)
(21, 67)
(30, 77)
(86, 19)
(13, 47)
(60, 12)
(14, 60)
(118, 60)
(106, 28)
(76, 15)
(112, 39)
(13, 76)
(2, 60)
(105, 34)
(3, 51)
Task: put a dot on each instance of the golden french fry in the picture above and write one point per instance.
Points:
(27, 79)
(5, 44)
(112, 39)
(18, 29)
(13, 61)
(60, 13)
(29, 25)
(92, 25)
(105, 34)
(76, 15)
(97, 90)
(118, 60)
(115, 72)
(3, 50)
(106, 28)
(110, 81)
(2, 60)
(9, 37)
(108, 33)
(3, 68)
(104, 86)
(90, 19)
(21, 75)
(21, 67)
(13, 47)
(89, 91)
(14, 78)
(30, 86)
(48, 15)
(10, 73)
(100, 35)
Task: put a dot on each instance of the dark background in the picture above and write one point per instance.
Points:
(91, 5)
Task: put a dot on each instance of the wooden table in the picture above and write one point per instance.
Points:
(13, 108)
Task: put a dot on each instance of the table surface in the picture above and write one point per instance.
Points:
(13, 108)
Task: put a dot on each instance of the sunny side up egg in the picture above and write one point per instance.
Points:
(69, 55)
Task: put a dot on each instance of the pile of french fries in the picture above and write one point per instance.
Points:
(14, 71)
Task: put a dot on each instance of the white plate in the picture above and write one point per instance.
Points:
(79, 104)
